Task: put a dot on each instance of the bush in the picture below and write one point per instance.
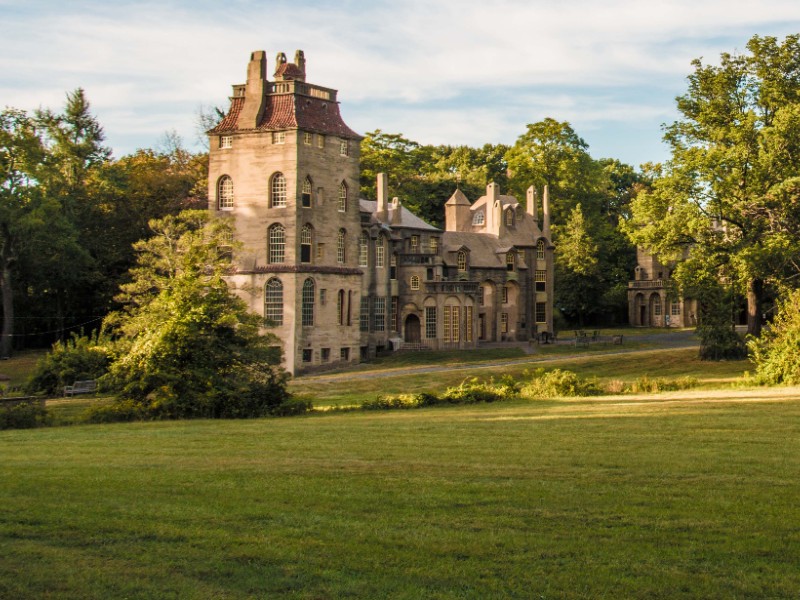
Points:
(653, 385)
(777, 354)
(80, 357)
(400, 401)
(558, 383)
(720, 342)
(24, 415)
(120, 411)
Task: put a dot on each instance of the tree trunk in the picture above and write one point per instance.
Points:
(755, 292)
(7, 300)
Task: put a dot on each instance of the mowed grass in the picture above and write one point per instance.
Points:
(352, 388)
(686, 495)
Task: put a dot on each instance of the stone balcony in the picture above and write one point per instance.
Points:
(646, 284)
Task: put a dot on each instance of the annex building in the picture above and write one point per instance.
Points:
(340, 278)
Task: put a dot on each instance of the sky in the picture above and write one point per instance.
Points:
(438, 71)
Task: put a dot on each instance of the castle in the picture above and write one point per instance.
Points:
(339, 278)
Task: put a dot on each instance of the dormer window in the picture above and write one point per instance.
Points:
(510, 261)
(225, 141)
(477, 218)
(510, 217)
(462, 261)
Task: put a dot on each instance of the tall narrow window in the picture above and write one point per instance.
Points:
(363, 250)
(307, 138)
(363, 320)
(540, 249)
(434, 244)
(462, 261)
(414, 244)
(276, 250)
(430, 322)
(380, 251)
(393, 267)
(675, 308)
(446, 323)
(657, 306)
(278, 191)
(480, 295)
(380, 314)
(340, 306)
(468, 325)
(306, 241)
(505, 294)
(343, 197)
(307, 307)
(511, 261)
(306, 193)
(344, 147)
(504, 323)
(393, 313)
(341, 254)
(225, 193)
(456, 324)
(320, 141)
(510, 217)
(273, 302)
(541, 312)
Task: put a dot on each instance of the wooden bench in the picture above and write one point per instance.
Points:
(89, 386)
(616, 340)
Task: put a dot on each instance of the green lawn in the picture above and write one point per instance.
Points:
(687, 495)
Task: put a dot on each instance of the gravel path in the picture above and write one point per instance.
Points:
(666, 342)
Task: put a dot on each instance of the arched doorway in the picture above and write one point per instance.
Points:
(412, 330)
(639, 311)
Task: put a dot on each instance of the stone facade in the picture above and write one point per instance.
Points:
(652, 301)
(339, 278)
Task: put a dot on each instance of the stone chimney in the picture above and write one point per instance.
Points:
(397, 216)
(255, 98)
(492, 200)
(383, 196)
(300, 61)
(533, 210)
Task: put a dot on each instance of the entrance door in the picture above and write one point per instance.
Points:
(481, 326)
(412, 330)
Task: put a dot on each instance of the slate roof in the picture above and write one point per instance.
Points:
(484, 250)
(408, 219)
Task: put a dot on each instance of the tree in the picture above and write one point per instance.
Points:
(776, 354)
(188, 347)
(729, 194)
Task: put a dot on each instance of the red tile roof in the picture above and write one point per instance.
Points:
(288, 71)
(292, 111)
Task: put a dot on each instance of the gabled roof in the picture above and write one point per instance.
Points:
(408, 220)
(458, 199)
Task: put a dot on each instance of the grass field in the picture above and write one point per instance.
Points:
(685, 495)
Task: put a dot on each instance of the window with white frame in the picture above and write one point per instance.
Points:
(446, 324)
(462, 261)
(278, 137)
(343, 197)
(414, 282)
(540, 249)
(225, 141)
(307, 306)
(541, 281)
(380, 314)
(341, 251)
(511, 261)
(278, 191)
(430, 322)
(675, 308)
(307, 138)
(305, 194)
(306, 242)
(380, 251)
(276, 247)
(456, 324)
(225, 193)
(478, 218)
(344, 147)
(413, 244)
(468, 324)
(363, 250)
(273, 302)
(434, 244)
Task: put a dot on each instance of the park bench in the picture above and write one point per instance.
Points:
(616, 340)
(88, 386)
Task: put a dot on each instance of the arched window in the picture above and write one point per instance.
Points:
(380, 251)
(510, 217)
(278, 191)
(225, 193)
(273, 302)
(306, 241)
(462, 261)
(343, 197)
(363, 250)
(540, 249)
(341, 254)
(276, 249)
(510, 261)
(307, 307)
(477, 218)
(414, 282)
(306, 193)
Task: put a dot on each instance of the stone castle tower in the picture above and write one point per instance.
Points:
(339, 278)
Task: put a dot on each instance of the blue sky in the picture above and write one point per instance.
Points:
(440, 72)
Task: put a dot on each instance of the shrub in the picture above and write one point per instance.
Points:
(80, 357)
(400, 401)
(720, 342)
(24, 415)
(120, 411)
(777, 354)
(472, 392)
(558, 383)
(653, 385)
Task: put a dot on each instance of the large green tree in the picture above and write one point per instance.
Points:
(187, 346)
(730, 194)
